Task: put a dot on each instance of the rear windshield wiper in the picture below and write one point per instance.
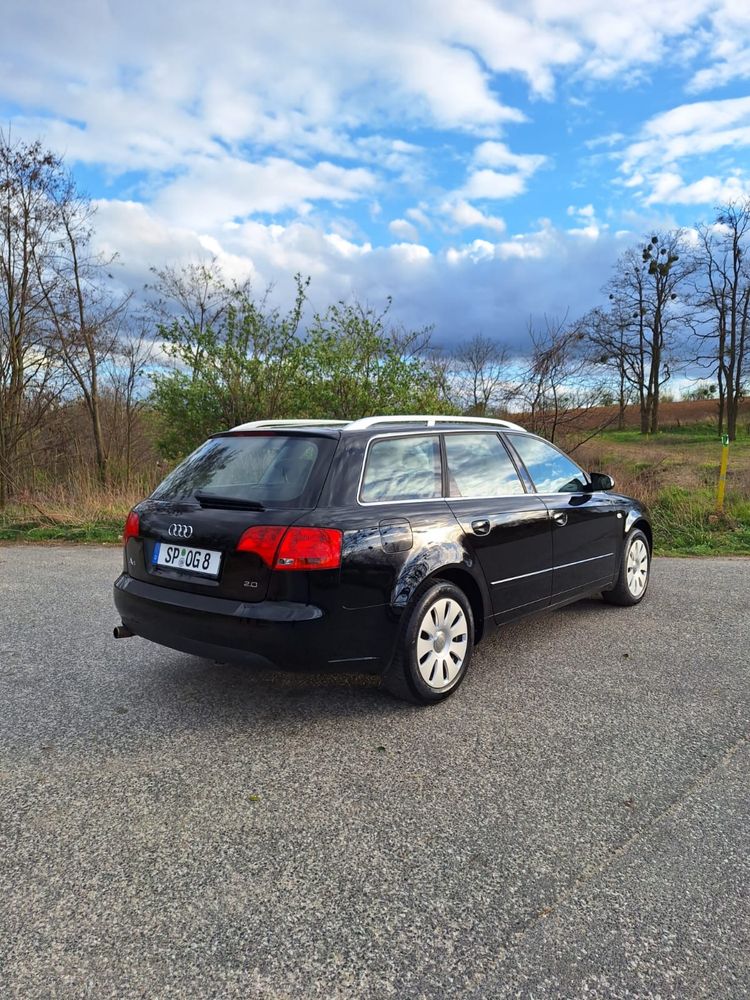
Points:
(217, 500)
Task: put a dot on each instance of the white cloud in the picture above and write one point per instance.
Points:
(669, 188)
(496, 173)
(125, 226)
(497, 156)
(691, 130)
(606, 141)
(466, 216)
(481, 284)
(589, 227)
(410, 253)
(492, 186)
(141, 87)
(452, 87)
(219, 189)
(403, 229)
(656, 162)
(615, 40)
(330, 117)
(347, 248)
(419, 215)
(476, 250)
(136, 86)
(585, 212)
(590, 232)
(728, 43)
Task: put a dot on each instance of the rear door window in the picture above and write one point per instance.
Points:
(402, 468)
(479, 466)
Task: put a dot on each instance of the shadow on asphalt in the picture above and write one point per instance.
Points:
(218, 689)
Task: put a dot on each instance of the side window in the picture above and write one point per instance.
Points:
(479, 466)
(550, 470)
(406, 468)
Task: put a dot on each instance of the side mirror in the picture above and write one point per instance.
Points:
(601, 481)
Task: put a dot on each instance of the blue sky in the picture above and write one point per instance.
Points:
(483, 163)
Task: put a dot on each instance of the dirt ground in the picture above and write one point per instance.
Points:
(678, 414)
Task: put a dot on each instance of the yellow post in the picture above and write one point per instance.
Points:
(722, 474)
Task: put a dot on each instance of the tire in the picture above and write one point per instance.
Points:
(635, 571)
(435, 646)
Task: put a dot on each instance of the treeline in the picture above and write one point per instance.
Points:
(69, 346)
(98, 385)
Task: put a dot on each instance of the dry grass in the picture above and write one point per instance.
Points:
(675, 473)
(79, 510)
(644, 467)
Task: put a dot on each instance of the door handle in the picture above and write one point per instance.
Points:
(481, 527)
(560, 517)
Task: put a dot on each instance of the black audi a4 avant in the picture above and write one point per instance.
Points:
(385, 545)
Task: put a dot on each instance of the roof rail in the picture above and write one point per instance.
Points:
(430, 420)
(357, 425)
(256, 424)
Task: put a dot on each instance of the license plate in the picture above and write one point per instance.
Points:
(202, 561)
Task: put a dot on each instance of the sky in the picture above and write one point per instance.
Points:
(481, 162)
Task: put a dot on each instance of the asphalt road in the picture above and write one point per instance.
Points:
(574, 823)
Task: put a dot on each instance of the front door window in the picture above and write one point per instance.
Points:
(550, 470)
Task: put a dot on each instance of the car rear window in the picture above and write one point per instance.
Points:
(479, 466)
(276, 470)
(405, 468)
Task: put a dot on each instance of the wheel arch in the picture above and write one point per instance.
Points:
(643, 525)
(466, 583)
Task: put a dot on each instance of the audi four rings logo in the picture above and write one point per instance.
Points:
(180, 530)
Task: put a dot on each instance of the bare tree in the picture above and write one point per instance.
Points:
(129, 375)
(560, 387)
(195, 298)
(481, 374)
(611, 349)
(645, 287)
(724, 292)
(84, 312)
(441, 366)
(31, 181)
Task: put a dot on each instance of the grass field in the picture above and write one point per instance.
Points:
(675, 472)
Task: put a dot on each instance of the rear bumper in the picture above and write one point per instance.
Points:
(278, 634)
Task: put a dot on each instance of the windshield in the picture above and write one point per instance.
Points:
(275, 470)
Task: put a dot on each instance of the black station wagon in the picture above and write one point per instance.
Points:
(385, 545)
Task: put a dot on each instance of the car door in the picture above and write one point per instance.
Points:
(586, 524)
(401, 518)
(507, 528)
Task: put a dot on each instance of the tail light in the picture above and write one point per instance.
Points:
(293, 548)
(263, 539)
(132, 527)
(309, 548)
